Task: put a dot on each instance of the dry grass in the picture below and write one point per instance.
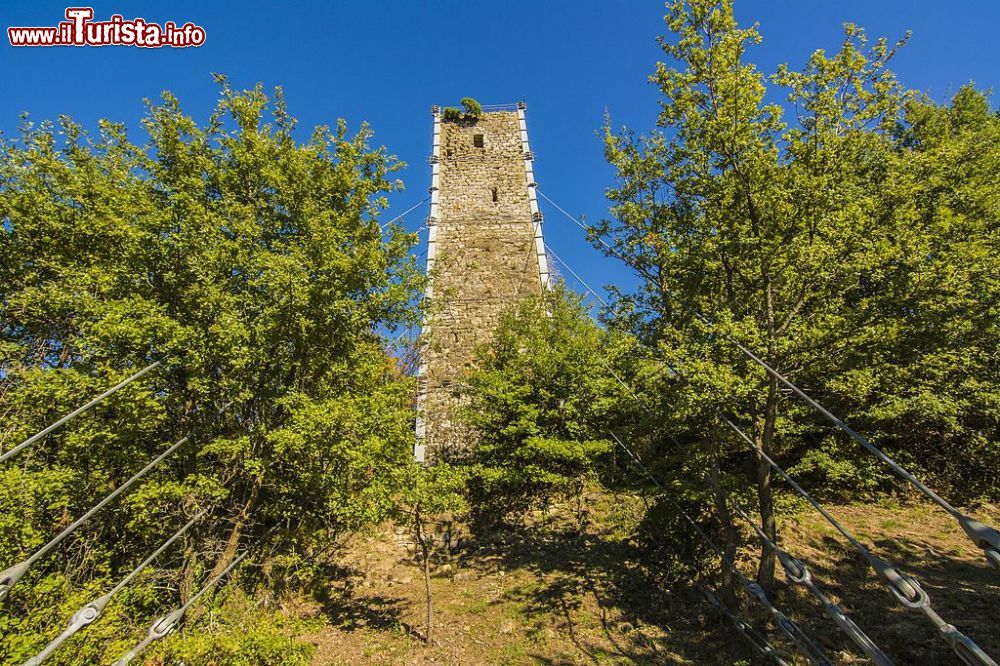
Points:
(552, 593)
(923, 542)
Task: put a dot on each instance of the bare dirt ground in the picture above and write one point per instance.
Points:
(552, 593)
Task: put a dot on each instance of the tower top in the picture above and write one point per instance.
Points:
(490, 108)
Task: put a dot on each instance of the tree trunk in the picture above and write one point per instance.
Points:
(727, 589)
(765, 572)
(765, 440)
(425, 554)
(229, 552)
(233, 541)
(187, 573)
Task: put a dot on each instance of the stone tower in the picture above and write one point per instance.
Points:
(485, 251)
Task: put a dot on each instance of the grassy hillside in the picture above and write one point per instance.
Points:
(549, 593)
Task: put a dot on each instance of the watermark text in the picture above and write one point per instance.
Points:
(79, 29)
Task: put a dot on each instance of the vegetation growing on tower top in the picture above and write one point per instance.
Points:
(471, 111)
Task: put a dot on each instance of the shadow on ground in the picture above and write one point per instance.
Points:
(616, 592)
(963, 588)
(611, 606)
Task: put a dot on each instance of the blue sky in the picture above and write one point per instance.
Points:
(388, 61)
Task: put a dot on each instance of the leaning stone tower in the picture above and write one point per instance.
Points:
(485, 251)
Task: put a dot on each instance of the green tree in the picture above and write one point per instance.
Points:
(923, 374)
(542, 398)
(430, 496)
(254, 266)
(835, 246)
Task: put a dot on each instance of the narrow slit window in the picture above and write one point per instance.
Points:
(495, 197)
(477, 140)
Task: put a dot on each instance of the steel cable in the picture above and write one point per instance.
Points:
(984, 536)
(797, 572)
(795, 569)
(586, 286)
(76, 412)
(905, 588)
(535, 226)
(169, 622)
(10, 576)
(812, 651)
(759, 642)
(93, 610)
(405, 212)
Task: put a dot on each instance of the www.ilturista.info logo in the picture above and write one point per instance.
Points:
(80, 30)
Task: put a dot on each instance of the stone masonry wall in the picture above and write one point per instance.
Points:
(485, 260)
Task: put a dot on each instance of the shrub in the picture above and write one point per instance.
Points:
(240, 636)
(471, 111)
(472, 107)
(453, 115)
(541, 418)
